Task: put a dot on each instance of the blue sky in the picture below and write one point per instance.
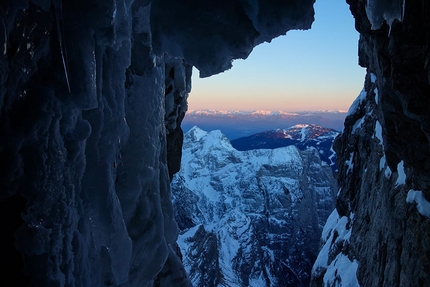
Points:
(316, 69)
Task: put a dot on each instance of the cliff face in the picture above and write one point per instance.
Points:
(91, 97)
(383, 158)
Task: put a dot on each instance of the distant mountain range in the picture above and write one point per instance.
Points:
(237, 124)
(302, 136)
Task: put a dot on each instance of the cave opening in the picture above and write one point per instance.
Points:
(315, 69)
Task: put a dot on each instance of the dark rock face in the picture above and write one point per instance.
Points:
(83, 146)
(384, 155)
(91, 97)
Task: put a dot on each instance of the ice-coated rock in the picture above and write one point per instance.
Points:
(249, 218)
(92, 94)
(379, 11)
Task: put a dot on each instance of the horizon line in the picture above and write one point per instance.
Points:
(268, 111)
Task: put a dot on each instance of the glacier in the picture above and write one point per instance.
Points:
(249, 218)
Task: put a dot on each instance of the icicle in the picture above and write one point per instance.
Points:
(390, 10)
(60, 31)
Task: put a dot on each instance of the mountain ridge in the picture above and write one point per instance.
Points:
(302, 136)
(237, 124)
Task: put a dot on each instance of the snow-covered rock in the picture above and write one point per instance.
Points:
(303, 136)
(249, 218)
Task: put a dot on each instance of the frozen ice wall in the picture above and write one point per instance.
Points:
(92, 94)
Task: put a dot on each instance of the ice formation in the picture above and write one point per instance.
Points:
(379, 11)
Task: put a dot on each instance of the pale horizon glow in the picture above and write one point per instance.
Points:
(316, 69)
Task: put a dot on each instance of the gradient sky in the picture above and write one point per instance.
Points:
(316, 69)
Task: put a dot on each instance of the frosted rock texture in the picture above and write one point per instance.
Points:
(91, 97)
(249, 218)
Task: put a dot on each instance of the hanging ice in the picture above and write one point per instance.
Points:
(389, 10)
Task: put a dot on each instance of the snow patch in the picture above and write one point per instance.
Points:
(387, 172)
(349, 162)
(417, 196)
(378, 133)
(341, 268)
(357, 125)
(357, 102)
(376, 95)
(382, 163)
(401, 179)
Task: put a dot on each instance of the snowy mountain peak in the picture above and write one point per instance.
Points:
(245, 214)
(196, 133)
(309, 131)
(213, 140)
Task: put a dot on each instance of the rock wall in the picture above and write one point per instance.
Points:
(384, 157)
(91, 96)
